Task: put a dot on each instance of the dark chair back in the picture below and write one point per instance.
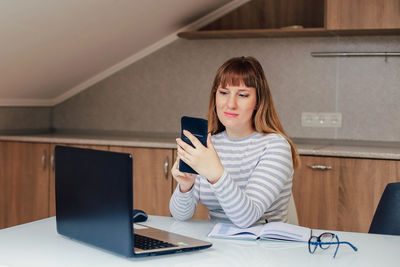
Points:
(387, 215)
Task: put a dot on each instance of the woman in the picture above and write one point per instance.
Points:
(246, 170)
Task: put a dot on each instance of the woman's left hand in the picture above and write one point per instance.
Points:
(202, 159)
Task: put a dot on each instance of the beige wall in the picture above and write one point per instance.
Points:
(152, 94)
(25, 120)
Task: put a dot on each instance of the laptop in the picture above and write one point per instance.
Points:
(94, 204)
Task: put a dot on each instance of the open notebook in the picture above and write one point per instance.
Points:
(272, 230)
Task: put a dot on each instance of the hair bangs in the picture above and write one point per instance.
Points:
(238, 74)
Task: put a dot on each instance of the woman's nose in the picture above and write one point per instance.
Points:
(232, 102)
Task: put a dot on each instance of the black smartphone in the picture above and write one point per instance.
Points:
(199, 128)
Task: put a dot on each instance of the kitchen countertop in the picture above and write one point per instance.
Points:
(305, 146)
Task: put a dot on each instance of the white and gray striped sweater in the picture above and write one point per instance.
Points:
(256, 183)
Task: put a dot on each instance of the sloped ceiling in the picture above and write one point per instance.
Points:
(51, 50)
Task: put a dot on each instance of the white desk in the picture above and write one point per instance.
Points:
(38, 244)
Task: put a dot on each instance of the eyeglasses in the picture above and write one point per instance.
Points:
(324, 241)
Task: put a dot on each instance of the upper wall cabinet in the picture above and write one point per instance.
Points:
(272, 14)
(362, 14)
(281, 18)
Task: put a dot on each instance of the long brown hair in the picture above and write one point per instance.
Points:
(248, 70)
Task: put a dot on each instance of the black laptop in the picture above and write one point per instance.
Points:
(94, 204)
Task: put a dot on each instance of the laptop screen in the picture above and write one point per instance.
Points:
(99, 212)
(94, 203)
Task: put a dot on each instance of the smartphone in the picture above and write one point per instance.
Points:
(199, 128)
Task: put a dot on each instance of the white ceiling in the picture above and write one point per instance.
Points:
(51, 50)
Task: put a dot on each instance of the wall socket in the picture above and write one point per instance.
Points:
(321, 119)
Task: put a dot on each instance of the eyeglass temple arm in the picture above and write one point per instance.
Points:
(348, 243)
(343, 242)
(335, 243)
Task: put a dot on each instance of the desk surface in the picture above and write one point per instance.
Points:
(38, 244)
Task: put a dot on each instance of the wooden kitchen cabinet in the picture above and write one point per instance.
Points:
(343, 197)
(3, 204)
(151, 177)
(24, 179)
(362, 182)
(362, 14)
(267, 18)
(286, 18)
(27, 180)
(271, 14)
(316, 192)
(52, 187)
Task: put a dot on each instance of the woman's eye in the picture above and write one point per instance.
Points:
(223, 92)
(243, 95)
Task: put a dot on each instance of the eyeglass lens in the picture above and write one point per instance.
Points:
(326, 238)
(312, 244)
(321, 241)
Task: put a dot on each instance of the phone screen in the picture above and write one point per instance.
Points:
(199, 128)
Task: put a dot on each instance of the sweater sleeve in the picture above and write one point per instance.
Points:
(183, 205)
(272, 172)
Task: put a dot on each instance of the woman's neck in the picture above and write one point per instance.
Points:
(239, 134)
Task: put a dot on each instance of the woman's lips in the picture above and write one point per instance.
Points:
(230, 115)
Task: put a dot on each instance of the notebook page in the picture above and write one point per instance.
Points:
(226, 230)
(285, 231)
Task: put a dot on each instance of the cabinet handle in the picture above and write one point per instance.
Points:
(166, 165)
(44, 156)
(52, 162)
(320, 167)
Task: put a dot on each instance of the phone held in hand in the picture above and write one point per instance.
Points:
(199, 128)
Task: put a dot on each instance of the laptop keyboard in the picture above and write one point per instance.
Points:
(147, 243)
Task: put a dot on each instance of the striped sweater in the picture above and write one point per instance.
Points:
(256, 184)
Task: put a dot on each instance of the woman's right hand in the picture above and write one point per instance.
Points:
(184, 179)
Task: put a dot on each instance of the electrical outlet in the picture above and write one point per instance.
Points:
(321, 119)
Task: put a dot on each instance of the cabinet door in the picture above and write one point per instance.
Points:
(3, 189)
(362, 14)
(52, 194)
(24, 182)
(315, 191)
(151, 178)
(201, 212)
(362, 182)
